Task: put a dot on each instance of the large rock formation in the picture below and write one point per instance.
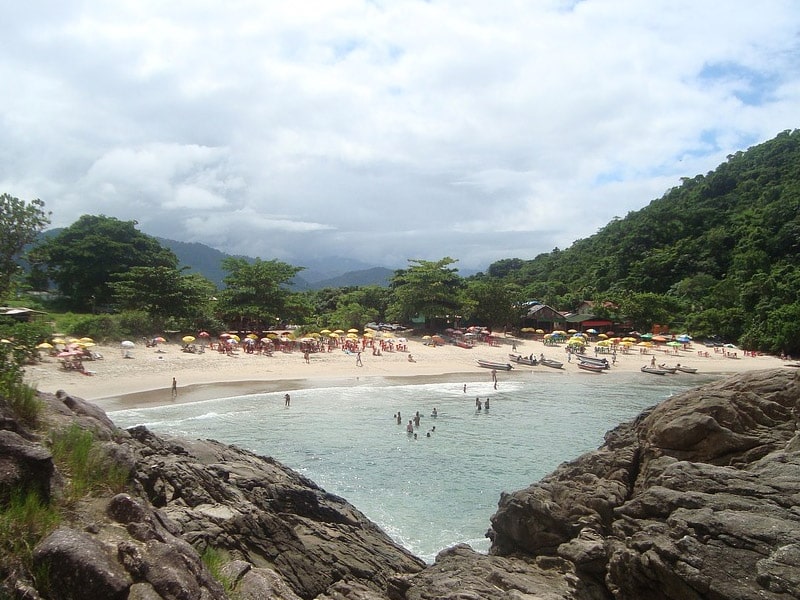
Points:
(696, 498)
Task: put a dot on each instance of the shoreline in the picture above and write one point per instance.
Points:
(144, 379)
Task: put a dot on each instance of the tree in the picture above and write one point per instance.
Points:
(425, 288)
(20, 223)
(493, 302)
(257, 293)
(162, 292)
(84, 258)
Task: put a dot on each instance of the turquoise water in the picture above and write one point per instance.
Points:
(431, 492)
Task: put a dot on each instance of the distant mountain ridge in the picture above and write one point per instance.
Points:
(316, 274)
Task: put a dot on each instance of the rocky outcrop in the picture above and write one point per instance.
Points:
(697, 498)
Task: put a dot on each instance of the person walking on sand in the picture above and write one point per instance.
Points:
(174, 387)
(358, 359)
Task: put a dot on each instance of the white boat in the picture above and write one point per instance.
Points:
(654, 370)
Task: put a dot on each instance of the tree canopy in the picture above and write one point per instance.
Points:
(84, 258)
(20, 223)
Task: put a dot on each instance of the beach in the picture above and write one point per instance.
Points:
(143, 376)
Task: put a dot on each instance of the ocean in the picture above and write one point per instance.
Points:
(441, 487)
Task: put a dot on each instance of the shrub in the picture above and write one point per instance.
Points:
(214, 560)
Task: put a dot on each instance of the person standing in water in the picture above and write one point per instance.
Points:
(174, 387)
(287, 400)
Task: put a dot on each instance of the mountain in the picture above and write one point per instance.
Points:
(380, 276)
(316, 273)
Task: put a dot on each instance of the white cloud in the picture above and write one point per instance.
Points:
(384, 130)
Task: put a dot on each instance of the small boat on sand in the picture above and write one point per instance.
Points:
(684, 369)
(490, 364)
(549, 362)
(590, 360)
(523, 360)
(591, 367)
(654, 370)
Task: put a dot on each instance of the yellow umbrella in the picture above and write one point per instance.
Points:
(86, 340)
(188, 339)
(339, 331)
(87, 344)
(333, 335)
(325, 331)
(59, 340)
(576, 341)
(602, 335)
(352, 336)
(45, 346)
(235, 337)
(540, 331)
(252, 336)
(352, 331)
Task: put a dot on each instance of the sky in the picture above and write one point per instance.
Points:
(386, 130)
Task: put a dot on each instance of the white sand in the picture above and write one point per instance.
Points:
(146, 378)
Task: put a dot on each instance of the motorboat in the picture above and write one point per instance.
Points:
(523, 360)
(549, 362)
(654, 370)
(591, 360)
(591, 367)
(490, 364)
(684, 369)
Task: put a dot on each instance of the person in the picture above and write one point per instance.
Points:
(174, 387)
(653, 362)
(434, 413)
(410, 426)
(477, 402)
(411, 358)
(486, 404)
(416, 419)
(399, 418)
(287, 400)
(427, 434)
(358, 359)
(514, 346)
(465, 388)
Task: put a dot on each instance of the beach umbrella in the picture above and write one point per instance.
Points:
(601, 335)
(540, 331)
(45, 346)
(85, 340)
(87, 344)
(339, 331)
(592, 331)
(126, 344)
(188, 339)
(252, 336)
(59, 340)
(159, 340)
(333, 335)
(426, 337)
(325, 331)
(204, 334)
(352, 336)
(674, 344)
(576, 341)
(352, 331)
(235, 338)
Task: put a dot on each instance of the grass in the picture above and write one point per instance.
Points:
(88, 468)
(23, 522)
(214, 560)
(21, 398)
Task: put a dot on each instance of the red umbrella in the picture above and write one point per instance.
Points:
(203, 334)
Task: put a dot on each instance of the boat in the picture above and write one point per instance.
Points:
(590, 360)
(683, 369)
(668, 369)
(490, 364)
(523, 360)
(591, 367)
(654, 370)
(549, 362)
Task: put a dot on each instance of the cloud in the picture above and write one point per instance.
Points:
(384, 131)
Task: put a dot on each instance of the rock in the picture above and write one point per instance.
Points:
(24, 465)
(77, 566)
(694, 499)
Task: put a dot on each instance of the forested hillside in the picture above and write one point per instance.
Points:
(722, 246)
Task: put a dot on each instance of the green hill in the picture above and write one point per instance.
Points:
(721, 248)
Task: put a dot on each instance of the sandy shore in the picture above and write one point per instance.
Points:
(146, 378)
